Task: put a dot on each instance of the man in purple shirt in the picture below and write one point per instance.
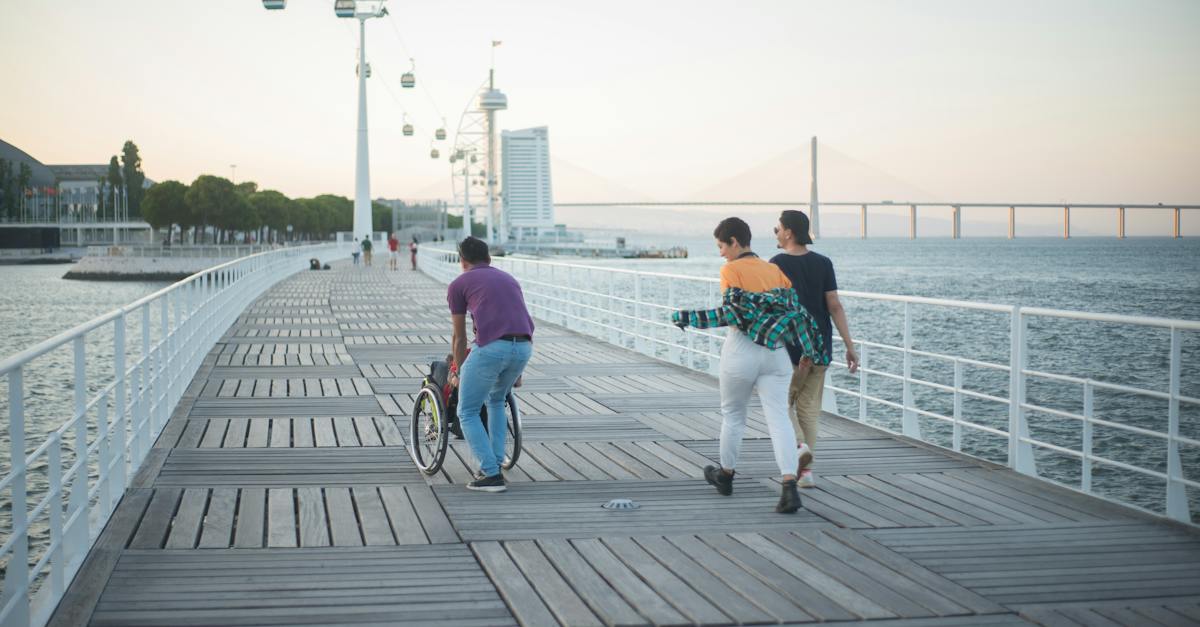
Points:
(503, 345)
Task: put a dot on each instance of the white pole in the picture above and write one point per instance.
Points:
(491, 154)
(362, 174)
(466, 225)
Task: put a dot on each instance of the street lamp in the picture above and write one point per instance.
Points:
(362, 10)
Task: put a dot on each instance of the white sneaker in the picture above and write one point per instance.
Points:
(805, 480)
(806, 457)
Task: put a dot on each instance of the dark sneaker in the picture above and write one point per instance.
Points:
(494, 483)
(789, 500)
(720, 479)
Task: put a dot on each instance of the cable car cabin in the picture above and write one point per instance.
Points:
(274, 4)
(433, 154)
(408, 130)
(440, 133)
(344, 8)
(408, 80)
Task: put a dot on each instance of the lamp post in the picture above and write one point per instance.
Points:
(362, 10)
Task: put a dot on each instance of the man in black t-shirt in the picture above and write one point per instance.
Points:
(813, 279)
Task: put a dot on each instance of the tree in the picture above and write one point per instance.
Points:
(8, 189)
(115, 181)
(24, 178)
(273, 209)
(213, 200)
(165, 204)
(131, 171)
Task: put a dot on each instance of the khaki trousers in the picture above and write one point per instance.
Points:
(804, 399)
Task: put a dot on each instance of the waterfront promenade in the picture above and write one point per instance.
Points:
(280, 492)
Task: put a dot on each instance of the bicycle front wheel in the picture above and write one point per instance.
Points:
(512, 448)
(427, 431)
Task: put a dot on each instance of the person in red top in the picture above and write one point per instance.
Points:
(393, 252)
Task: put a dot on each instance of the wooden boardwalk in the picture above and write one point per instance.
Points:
(280, 493)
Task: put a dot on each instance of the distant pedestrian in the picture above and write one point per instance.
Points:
(356, 251)
(813, 279)
(366, 248)
(412, 248)
(393, 252)
(763, 314)
(503, 345)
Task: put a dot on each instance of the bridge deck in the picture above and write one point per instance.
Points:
(281, 493)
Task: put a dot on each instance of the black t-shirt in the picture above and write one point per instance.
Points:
(811, 275)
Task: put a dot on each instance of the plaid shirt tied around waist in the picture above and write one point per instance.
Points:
(771, 319)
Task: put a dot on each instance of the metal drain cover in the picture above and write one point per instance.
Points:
(620, 504)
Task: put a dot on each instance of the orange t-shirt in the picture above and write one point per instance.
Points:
(752, 274)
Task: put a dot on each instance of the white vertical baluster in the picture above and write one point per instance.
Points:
(58, 561)
(76, 530)
(958, 405)
(119, 407)
(16, 577)
(1085, 482)
(862, 383)
(909, 424)
(1020, 452)
(1177, 502)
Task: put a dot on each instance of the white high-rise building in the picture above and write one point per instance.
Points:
(525, 174)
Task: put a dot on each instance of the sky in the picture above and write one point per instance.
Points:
(1023, 101)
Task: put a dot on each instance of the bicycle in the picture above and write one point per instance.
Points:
(435, 417)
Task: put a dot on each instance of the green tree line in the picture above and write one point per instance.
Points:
(238, 212)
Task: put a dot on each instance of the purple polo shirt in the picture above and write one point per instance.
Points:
(495, 301)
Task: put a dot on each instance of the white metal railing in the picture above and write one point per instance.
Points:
(218, 251)
(114, 421)
(632, 309)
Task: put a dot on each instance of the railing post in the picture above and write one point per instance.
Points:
(863, 220)
(1177, 503)
(1020, 452)
(76, 538)
(119, 349)
(1012, 223)
(862, 383)
(1120, 222)
(140, 411)
(58, 561)
(909, 424)
(1085, 481)
(16, 578)
(956, 438)
(637, 312)
(912, 222)
(1178, 231)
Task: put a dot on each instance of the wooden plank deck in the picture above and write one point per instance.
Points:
(281, 493)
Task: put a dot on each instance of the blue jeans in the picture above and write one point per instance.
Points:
(487, 376)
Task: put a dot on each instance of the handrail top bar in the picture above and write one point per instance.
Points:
(47, 345)
(881, 203)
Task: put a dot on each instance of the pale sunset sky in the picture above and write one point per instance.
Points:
(1020, 101)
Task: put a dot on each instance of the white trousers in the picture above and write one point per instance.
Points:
(745, 365)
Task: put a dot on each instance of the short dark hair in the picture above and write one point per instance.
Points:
(733, 228)
(474, 250)
(797, 223)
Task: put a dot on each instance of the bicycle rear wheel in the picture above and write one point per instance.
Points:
(427, 431)
(512, 447)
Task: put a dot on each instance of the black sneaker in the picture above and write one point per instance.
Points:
(719, 478)
(789, 500)
(494, 483)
